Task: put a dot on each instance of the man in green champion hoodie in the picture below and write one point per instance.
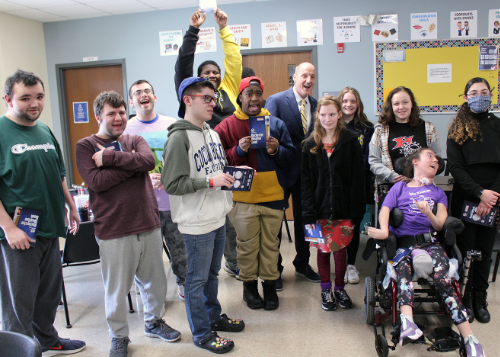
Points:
(193, 163)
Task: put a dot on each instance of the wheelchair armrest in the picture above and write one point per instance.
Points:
(452, 226)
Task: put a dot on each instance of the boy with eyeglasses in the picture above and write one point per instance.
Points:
(193, 163)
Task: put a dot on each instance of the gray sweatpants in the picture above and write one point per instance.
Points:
(30, 289)
(122, 259)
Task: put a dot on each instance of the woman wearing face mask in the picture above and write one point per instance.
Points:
(400, 132)
(473, 150)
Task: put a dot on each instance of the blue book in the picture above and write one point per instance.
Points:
(115, 145)
(259, 131)
(243, 178)
(28, 220)
(400, 254)
(314, 235)
(469, 214)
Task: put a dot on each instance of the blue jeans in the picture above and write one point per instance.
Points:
(204, 256)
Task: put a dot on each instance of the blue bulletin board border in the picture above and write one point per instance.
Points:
(379, 67)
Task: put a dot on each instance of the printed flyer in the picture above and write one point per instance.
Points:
(385, 29)
(274, 34)
(494, 23)
(242, 35)
(488, 58)
(170, 41)
(424, 26)
(309, 32)
(463, 24)
(346, 29)
(207, 40)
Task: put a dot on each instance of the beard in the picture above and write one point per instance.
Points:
(29, 119)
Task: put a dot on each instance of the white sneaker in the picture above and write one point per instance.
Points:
(351, 275)
(180, 291)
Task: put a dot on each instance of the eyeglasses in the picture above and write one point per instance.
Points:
(139, 92)
(206, 98)
(476, 93)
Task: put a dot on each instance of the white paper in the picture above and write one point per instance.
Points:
(242, 35)
(170, 41)
(424, 26)
(309, 32)
(206, 41)
(394, 56)
(346, 29)
(463, 24)
(274, 34)
(385, 29)
(439, 73)
(208, 5)
(494, 23)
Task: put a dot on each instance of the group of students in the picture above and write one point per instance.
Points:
(339, 149)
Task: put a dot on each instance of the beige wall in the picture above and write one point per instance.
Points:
(22, 45)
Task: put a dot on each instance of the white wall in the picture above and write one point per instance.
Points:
(22, 46)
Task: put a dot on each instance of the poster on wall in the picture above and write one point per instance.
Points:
(309, 32)
(463, 24)
(207, 40)
(81, 112)
(170, 41)
(242, 35)
(494, 23)
(274, 34)
(424, 26)
(488, 58)
(385, 29)
(346, 29)
(439, 73)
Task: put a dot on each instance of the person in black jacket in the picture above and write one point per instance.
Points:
(333, 194)
(473, 150)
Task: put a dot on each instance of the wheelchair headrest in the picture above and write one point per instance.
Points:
(399, 165)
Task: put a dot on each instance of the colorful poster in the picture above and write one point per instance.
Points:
(206, 40)
(170, 41)
(424, 26)
(274, 34)
(309, 32)
(494, 23)
(488, 58)
(242, 35)
(463, 24)
(385, 29)
(346, 29)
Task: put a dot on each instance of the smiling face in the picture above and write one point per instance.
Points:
(426, 165)
(144, 103)
(251, 99)
(112, 122)
(349, 105)
(328, 116)
(304, 78)
(26, 103)
(212, 73)
(401, 106)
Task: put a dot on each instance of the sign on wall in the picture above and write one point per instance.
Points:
(81, 112)
(494, 23)
(242, 35)
(309, 32)
(463, 24)
(170, 41)
(424, 26)
(274, 34)
(385, 29)
(346, 29)
(206, 41)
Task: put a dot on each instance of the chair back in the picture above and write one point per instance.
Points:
(14, 344)
(82, 248)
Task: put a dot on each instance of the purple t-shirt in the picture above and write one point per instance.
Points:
(155, 132)
(405, 198)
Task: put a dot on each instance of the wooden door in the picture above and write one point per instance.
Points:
(84, 85)
(273, 69)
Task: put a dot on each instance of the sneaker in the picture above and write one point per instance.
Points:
(64, 346)
(327, 300)
(309, 274)
(473, 348)
(232, 272)
(409, 331)
(180, 291)
(224, 323)
(344, 300)
(279, 284)
(119, 347)
(161, 330)
(351, 275)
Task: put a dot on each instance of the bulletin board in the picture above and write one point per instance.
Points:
(412, 73)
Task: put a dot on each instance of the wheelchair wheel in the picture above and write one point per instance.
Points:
(381, 346)
(369, 300)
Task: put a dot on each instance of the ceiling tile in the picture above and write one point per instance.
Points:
(39, 4)
(35, 15)
(170, 4)
(121, 6)
(6, 6)
(72, 10)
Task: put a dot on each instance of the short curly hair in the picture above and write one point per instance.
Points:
(112, 98)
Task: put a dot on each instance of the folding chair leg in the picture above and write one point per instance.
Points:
(65, 303)
(165, 248)
(131, 307)
(287, 229)
(495, 269)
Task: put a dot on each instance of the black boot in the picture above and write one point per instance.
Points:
(271, 301)
(251, 295)
(480, 307)
(467, 300)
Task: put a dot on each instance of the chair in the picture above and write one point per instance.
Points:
(81, 249)
(14, 344)
(496, 249)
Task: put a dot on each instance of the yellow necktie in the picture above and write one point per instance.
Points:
(303, 115)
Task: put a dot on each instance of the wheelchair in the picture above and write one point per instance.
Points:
(385, 298)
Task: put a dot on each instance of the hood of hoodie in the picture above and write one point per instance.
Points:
(183, 124)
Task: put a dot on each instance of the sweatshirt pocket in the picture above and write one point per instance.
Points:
(213, 206)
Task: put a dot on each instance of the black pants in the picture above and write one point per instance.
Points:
(352, 248)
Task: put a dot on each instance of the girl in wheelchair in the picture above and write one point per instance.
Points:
(416, 199)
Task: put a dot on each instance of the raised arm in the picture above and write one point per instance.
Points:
(233, 62)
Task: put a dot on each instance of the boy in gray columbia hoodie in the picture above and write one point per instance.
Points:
(193, 163)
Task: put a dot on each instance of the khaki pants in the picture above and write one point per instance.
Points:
(257, 229)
